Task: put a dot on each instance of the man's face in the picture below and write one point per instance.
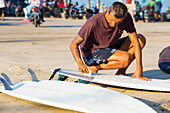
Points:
(112, 20)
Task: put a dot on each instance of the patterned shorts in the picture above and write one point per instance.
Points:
(100, 56)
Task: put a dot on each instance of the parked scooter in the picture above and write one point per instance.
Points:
(89, 13)
(36, 17)
(75, 12)
(66, 12)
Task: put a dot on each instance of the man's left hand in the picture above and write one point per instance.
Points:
(140, 76)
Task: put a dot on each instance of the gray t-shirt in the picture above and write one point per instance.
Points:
(97, 33)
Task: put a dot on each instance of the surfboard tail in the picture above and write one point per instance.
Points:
(7, 79)
(33, 75)
(6, 85)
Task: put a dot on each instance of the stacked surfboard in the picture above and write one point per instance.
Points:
(73, 96)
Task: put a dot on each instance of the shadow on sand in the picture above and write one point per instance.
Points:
(8, 41)
(69, 26)
(154, 74)
(156, 106)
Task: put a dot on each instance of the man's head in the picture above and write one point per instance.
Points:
(119, 9)
(116, 13)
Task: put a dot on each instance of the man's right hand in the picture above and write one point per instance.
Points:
(83, 68)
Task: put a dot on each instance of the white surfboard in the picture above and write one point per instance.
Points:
(121, 81)
(74, 96)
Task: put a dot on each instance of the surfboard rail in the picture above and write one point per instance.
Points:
(120, 81)
(73, 96)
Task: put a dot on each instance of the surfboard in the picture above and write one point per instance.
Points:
(74, 96)
(121, 81)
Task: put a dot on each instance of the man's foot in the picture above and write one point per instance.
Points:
(43, 20)
(121, 74)
(93, 69)
(26, 21)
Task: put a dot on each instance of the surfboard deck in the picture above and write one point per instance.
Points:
(73, 96)
(121, 81)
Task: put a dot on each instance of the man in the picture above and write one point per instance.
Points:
(158, 6)
(27, 10)
(128, 2)
(151, 4)
(164, 60)
(101, 47)
(2, 8)
(103, 8)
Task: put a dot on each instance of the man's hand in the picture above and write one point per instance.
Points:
(139, 75)
(83, 68)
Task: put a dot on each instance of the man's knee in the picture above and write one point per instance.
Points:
(128, 58)
(142, 40)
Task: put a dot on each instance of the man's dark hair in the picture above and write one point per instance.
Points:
(119, 9)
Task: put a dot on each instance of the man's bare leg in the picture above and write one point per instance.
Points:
(121, 59)
(127, 46)
(2, 17)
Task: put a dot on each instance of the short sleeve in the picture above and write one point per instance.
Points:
(85, 30)
(130, 27)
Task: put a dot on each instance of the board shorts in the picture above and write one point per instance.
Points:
(100, 56)
(2, 10)
(165, 67)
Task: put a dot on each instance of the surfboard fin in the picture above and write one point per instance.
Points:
(54, 72)
(6, 85)
(7, 79)
(33, 75)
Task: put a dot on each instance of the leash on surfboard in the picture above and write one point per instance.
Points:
(63, 77)
(54, 72)
(60, 77)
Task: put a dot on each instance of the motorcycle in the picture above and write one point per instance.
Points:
(36, 17)
(66, 12)
(88, 12)
(74, 13)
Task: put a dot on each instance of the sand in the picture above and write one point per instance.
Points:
(23, 46)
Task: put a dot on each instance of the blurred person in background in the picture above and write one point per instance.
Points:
(164, 60)
(103, 8)
(128, 2)
(3, 4)
(61, 6)
(158, 6)
(151, 4)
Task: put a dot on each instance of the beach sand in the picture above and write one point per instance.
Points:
(23, 46)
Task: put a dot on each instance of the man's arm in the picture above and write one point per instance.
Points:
(138, 56)
(76, 53)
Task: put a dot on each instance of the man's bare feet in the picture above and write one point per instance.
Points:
(93, 69)
(122, 74)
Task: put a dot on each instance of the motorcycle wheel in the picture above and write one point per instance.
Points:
(87, 16)
(17, 14)
(35, 21)
(66, 16)
(74, 15)
(38, 23)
